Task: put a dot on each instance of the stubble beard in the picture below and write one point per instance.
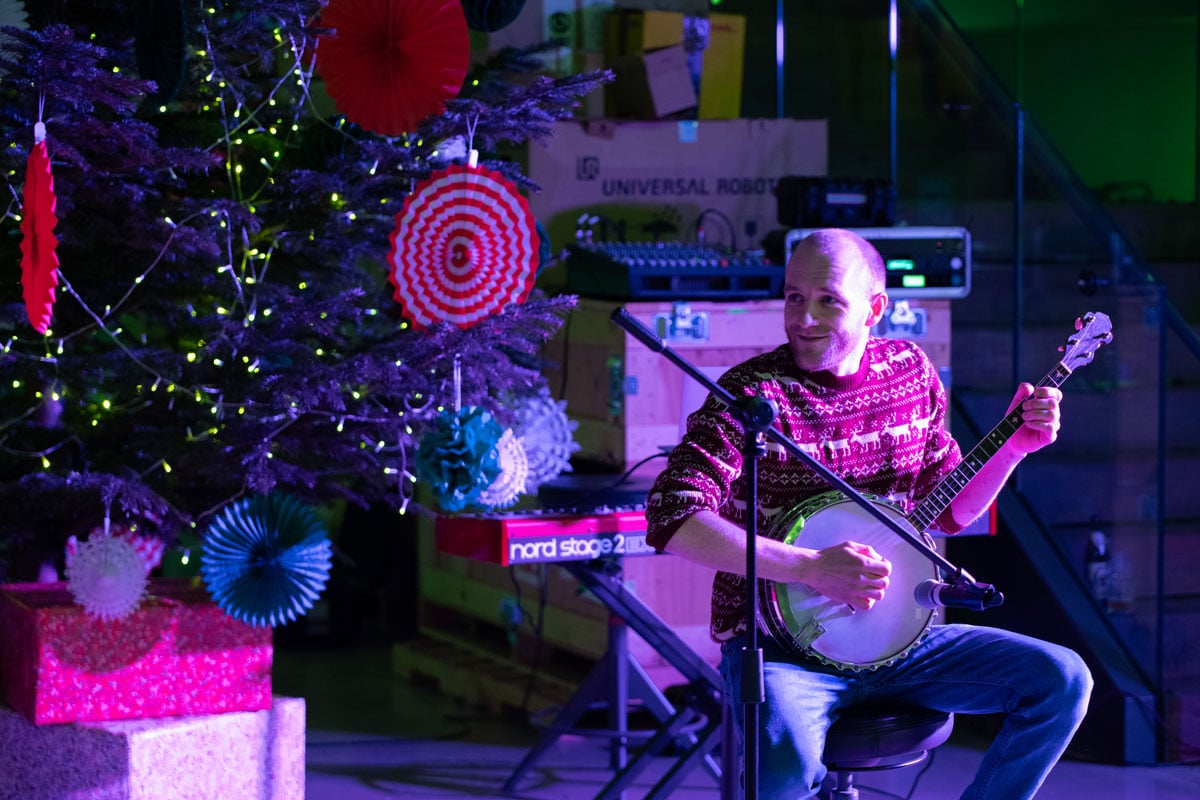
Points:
(825, 354)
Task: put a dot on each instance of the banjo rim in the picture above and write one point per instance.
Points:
(778, 619)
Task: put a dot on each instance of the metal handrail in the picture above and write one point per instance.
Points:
(1127, 265)
(1126, 268)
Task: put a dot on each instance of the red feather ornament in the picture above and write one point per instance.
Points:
(39, 261)
(389, 64)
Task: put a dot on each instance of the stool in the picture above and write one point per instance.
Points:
(867, 738)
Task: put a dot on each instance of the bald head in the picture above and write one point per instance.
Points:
(848, 249)
(834, 291)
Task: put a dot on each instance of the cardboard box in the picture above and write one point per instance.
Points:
(630, 401)
(696, 8)
(653, 76)
(177, 654)
(671, 172)
(629, 32)
(713, 52)
(579, 24)
(653, 85)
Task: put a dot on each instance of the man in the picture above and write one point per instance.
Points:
(873, 411)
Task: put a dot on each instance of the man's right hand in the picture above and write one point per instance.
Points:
(850, 573)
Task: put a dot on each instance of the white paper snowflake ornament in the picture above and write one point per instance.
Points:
(548, 435)
(107, 576)
(514, 473)
(150, 548)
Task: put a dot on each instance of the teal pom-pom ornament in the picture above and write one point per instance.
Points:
(266, 559)
(457, 457)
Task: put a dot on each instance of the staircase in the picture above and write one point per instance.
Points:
(1125, 464)
(1129, 451)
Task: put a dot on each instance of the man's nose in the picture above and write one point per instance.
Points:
(807, 316)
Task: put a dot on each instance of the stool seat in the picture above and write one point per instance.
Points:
(867, 737)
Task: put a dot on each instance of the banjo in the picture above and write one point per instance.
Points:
(809, 624)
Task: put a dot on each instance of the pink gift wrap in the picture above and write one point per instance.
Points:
(178, 654)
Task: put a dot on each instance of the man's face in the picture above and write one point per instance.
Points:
(829, 308)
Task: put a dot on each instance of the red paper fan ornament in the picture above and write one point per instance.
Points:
(39, 261)
(464, 247)
(389, 64)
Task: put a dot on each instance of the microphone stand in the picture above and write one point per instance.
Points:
(756, 416)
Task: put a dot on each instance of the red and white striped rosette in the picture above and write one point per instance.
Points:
(464, 247)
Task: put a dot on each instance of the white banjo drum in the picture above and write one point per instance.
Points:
(809, 624)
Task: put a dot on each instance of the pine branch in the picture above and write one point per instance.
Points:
(224, 323)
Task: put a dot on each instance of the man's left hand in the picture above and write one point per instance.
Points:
(1040, 414)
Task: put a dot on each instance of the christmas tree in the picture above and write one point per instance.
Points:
(223, 323)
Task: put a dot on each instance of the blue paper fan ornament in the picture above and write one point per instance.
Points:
(266, 559)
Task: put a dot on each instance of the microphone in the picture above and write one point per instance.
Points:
(970, 595)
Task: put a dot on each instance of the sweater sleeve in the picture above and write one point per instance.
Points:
(942, 453)
(699, 474)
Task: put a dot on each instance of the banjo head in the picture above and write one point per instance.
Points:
(809, 624)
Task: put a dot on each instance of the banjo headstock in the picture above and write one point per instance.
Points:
(1092, 331)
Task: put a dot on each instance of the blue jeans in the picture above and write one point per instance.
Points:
(1042, 688)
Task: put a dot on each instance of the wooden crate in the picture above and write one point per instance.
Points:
(630, 401)
(680, 592)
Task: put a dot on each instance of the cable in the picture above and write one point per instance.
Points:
(578, 502)
(563, 365)
(919, 775)
(538, 625)
(724, 217)
(912, 790)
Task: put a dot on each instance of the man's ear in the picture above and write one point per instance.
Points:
(879, 304)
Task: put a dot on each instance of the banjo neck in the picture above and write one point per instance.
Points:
(1092, 330)
(949, 488)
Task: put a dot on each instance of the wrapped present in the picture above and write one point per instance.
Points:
(177, 654)
(242, 754)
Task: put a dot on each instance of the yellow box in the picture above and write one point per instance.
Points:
(632, 31)
(721, 73)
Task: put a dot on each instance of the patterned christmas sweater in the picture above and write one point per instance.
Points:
(882, 430)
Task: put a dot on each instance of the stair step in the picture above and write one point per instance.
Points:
(1133, 560)
(1103, 421)
(1181, 637)
(1069, 490)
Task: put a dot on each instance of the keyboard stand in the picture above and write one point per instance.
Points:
(699, 725)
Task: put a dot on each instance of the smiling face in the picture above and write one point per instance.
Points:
(833, 293)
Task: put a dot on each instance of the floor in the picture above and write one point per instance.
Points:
(371, 736)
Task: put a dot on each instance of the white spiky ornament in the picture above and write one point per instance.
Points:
(107, 575)
(548, 435)
(514, 473)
